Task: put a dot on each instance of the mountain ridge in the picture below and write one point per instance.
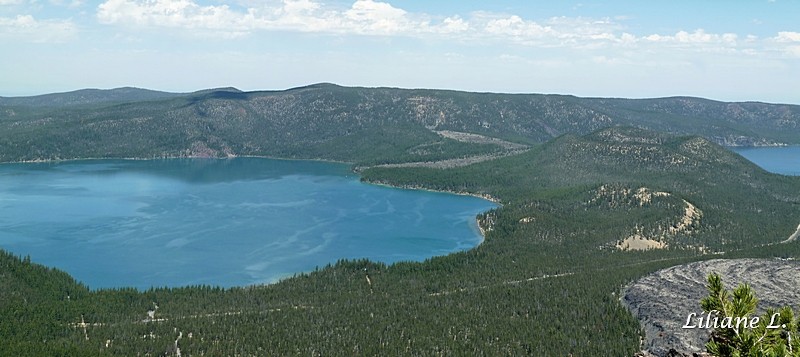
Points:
(324, 121)
(322, 85)
(87, 96)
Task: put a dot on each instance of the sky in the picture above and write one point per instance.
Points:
(745, 50)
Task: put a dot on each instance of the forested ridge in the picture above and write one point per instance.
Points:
(365, 126)
(546, 281)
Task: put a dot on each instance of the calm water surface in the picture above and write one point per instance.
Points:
(113, 223)
(782, 160)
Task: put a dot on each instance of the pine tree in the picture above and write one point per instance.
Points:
(776, 333)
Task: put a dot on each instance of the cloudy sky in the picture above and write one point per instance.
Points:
(725, 50)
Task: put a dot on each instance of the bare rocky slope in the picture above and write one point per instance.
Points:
(663, 300)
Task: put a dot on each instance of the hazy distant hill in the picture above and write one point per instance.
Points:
(365, 125)
(87, 96)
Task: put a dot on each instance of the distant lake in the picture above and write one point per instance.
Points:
(236, 222)
(782, 160)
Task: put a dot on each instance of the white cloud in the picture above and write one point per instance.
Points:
(697, 37)
(517, 27)
(787, 42)
(788, 36)
(364, 17)
(627, 38)
(368, 15)
(29, 29)
(577, 32)
(300, 6)
(168, 13)
(454, 24)
(381, 18)
(565, 32)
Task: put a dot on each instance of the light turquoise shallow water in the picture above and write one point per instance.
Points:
(113, 223)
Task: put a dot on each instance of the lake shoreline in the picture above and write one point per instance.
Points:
(45, 161)
(487, 197)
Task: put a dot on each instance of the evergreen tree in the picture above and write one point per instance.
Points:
(776, 333)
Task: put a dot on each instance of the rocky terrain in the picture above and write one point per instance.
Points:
(663, 300)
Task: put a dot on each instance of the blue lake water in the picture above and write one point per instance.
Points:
(115, 223)
(782, 160)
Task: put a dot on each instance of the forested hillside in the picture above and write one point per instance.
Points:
(360, 125)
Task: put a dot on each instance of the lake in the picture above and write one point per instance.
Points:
(782, 160)
(234, 222)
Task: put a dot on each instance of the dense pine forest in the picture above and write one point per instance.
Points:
(546, 281)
